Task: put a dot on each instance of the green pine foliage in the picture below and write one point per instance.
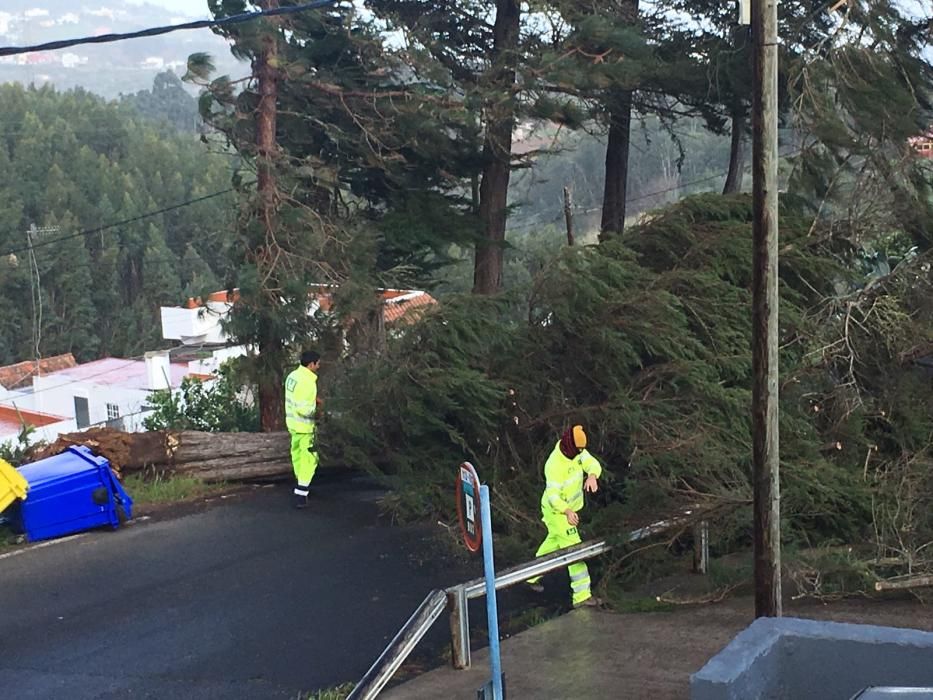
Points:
(167, 102)
(76, 162)
(646, 341)
(221, 406)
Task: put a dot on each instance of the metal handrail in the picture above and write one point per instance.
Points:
(400, 647)
(456, 600)
(537, 567)
(563, 557)
(458, 597)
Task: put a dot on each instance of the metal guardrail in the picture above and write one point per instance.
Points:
(458, 597)
(894, 693)
(400, 647)
(456, 600)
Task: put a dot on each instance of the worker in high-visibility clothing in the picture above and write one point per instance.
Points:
(300, 409)
(568, 472)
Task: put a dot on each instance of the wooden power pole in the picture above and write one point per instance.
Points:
(765, 408)
(568, 213)
(271, 391)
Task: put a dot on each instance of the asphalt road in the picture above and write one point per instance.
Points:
(249, 599)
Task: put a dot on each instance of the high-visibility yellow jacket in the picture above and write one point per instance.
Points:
(300, 400)
(564, 480)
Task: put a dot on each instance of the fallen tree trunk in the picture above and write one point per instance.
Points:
(230, 456)
(904, 583)
(206, 456)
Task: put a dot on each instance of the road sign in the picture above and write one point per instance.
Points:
(468, 507)
(473, 511)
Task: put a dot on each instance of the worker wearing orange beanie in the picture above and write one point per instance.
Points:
(568, 472)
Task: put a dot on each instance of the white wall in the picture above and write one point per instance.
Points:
(218, 357)
(22, 400)
(56, 395)
(48, 433)
(195, 326)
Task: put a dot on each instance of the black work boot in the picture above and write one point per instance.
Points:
(301, 501)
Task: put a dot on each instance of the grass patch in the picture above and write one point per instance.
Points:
(640, 605)
(160, 489)
(338, 692)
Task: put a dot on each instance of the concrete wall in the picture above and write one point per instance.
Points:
(793, 659)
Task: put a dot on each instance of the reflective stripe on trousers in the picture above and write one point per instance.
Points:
(561, 534)
(304, 461)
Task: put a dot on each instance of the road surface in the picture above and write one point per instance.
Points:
(249, 599)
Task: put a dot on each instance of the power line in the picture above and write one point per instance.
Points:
(124, 363)
(156, 31)
(99, 229)
(28, 394)
(629, 200)
(36, 285)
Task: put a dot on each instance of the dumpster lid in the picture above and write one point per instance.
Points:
(74, 460)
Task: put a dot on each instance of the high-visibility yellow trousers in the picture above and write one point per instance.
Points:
(561, 534)
(304, 461)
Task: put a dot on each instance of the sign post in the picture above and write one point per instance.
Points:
(468, 507)
(471, 494)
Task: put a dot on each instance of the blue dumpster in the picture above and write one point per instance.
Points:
(70, 492)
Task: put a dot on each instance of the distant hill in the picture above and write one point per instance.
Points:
(106, 69)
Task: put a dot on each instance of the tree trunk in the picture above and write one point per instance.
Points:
(205, 456)
(619, 104)
(737, 149)
(617, 150)
(271, 392)
(497, 150)
(366, 335)
(230, 456)
(271, 382)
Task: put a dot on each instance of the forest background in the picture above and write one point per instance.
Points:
(429, 145)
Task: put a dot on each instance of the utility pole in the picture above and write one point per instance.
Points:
(271, 391)
(568, 213)
(765, 388)
(36, 285)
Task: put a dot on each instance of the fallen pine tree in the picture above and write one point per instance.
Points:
(645, 340)
(206, 456)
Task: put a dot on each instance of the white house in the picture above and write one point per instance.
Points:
(196, 323)
(109, 391)
(57, 395)
(112, 391)
(201, 322)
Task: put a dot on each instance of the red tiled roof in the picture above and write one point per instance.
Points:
(223, 296)
(409, 309)
(21, 374)
(12, 420)
(410, 305)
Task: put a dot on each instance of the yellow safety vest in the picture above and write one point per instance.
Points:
(300, 400)
(564, 480)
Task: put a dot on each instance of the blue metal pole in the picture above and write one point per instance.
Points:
(492, 612)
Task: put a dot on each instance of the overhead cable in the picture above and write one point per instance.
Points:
(156, 31)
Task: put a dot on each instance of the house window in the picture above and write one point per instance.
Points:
(113, 411)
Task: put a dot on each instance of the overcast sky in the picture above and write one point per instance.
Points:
(195, 8)
(198, 8)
